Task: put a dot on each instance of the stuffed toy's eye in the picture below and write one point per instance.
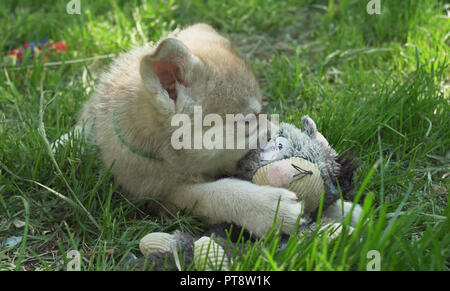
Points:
(282, 143)
(275, 149)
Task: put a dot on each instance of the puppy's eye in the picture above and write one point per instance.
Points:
(280, 146)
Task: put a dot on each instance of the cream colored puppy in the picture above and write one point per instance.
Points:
(129, 118)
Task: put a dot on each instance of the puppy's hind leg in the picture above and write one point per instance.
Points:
(78, 133)
(337, 211)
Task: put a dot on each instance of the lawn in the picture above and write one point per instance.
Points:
(376, 85)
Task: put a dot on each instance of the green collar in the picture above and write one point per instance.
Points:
(130, 147)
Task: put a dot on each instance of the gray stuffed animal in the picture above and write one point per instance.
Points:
(308, 144)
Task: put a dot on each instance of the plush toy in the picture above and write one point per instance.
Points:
(179, 251)
(303, 162)
(299, 160)
(213, 251)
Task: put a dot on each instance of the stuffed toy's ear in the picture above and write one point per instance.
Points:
(164, 69)
(309, 126)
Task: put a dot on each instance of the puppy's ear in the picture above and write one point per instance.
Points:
(166, 68)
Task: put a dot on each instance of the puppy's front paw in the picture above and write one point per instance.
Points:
(271, 201)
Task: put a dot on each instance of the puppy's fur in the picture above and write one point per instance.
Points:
(143, 89)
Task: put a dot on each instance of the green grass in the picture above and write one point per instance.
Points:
(376, 85)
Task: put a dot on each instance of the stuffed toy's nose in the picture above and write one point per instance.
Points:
(280, 173)
(297, 175)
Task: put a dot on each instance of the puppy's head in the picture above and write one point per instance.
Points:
(197, 68)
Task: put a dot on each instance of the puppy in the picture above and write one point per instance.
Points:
(130, 118)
